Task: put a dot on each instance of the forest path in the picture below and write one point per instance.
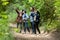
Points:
(29, 36)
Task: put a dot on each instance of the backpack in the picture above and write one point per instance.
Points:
(32, 16)
(37, 16)
(25, 16)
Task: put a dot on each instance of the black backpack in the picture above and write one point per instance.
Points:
(32, 14)
(38, 16)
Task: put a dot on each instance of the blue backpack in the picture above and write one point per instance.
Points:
(25, 16)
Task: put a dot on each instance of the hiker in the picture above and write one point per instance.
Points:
(19, 19)
(25, 21)
(32, 13)
(37, 21)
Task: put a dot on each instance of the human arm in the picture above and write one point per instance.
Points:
(17, 11)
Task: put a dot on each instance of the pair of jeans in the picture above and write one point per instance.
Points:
(26, 27)
(20, 26)
(36, 27)
(33, 27)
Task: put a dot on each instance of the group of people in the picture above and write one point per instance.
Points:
(22, 20)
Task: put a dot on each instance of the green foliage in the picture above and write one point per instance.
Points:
(57, 11)
(16, 30)
(49, 14)
(4, 28)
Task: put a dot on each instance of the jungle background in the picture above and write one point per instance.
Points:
(49, 14)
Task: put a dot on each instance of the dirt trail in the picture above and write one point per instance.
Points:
(29, 36)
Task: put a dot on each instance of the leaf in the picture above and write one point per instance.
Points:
(4, 16)
(4, 0)
(5, 3)
(32, 1)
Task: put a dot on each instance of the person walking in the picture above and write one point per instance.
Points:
(37, 21)
(32, 14)
(25, 22)
(19, 19)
